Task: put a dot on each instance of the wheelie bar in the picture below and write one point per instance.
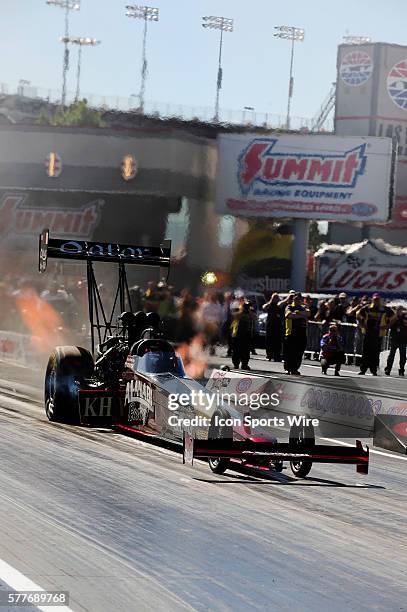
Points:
(258, 452)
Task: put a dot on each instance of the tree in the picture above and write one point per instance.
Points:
(315, 238)
(77, 114)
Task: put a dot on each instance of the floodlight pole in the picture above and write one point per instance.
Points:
(293, 34)
(290, 84)
(219, 79)
(224, 25)
(65, 64)
(147, 13)
(143, 67)
(68, 5)
(78, 73)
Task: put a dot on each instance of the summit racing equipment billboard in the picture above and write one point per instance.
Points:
(313, 177)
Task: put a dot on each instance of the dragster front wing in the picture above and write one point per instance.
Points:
(258, 452)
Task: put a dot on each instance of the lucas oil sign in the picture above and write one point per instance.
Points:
(313, 177)
(366, 267)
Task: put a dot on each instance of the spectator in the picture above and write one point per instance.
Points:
(398, 340)
(186, 320)
(227, 320)
(322, 310)
(341, 306)
(274, 327)
(211, 315)
(312, 307)
(332, 351)
(296, 317)
(242, 331)
(352, 310)
(374, 320)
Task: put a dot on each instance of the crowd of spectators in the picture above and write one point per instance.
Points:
(227, 318)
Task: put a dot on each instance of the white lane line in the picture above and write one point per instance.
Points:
(18, 582)
(371, 450)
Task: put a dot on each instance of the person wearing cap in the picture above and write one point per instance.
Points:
(332, 351)
(242, 333)
(374, 321)
(274, 327)
(295, 340)
(398, 341)
(340, 308)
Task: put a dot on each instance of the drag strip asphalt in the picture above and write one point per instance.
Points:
(122, 524)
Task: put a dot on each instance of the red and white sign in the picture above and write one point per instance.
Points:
(364, 267)
(308, 176)
(19, 219)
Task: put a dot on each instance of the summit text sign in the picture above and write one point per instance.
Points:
(314, 177)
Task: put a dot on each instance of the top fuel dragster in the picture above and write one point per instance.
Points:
(126, 380)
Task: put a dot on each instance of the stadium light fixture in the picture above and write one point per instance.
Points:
(224, 25)
(147, 13)
(356, 40)
(294, 34)
(68, 5)
(81, 41)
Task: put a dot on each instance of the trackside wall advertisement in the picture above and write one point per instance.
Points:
(313, 177)
(365, 267)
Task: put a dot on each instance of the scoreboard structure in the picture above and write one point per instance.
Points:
(371, 100)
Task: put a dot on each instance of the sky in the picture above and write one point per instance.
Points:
(182, 56)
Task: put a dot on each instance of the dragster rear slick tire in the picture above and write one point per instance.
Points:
(302, 438)
(67, 367)
(216, 431)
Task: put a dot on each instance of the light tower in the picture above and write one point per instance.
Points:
(68, 5)
(81, 41)
(224, 25)
(147, 13)
(290, 33)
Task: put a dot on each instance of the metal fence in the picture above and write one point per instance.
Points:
(351, 335)
(165, 110)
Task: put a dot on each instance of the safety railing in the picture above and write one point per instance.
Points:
(163, 110)
(350, 333)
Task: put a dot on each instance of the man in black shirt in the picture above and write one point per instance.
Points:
(374, 321)
(274, 327)
(398, 340)
(296, 317)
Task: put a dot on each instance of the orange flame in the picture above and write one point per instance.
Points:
(193, 356)
(43, 322)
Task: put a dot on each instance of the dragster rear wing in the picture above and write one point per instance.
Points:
(102, 251)
(254, 452)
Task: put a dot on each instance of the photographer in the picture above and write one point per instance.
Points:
(242, 332)
(374, 320)
(274, 327)
(296, 318)
(398, 340)
(332, 351)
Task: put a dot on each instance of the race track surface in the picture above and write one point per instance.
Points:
(123, 525)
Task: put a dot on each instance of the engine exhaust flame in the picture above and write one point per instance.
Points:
(43, 323)
(194, 357)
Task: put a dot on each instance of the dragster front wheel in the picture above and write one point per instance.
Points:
(302, 438)
(216, 432)
(218, 466)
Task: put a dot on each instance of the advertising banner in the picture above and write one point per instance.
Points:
(262, 258)
(365, 267)
(306, 176)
